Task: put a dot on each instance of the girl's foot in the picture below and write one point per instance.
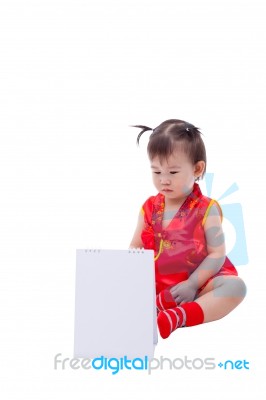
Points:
(169, 320)
(189, 314)
(165, 300)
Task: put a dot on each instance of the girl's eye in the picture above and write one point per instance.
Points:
(172, 172)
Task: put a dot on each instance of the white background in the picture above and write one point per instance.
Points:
(74, 76)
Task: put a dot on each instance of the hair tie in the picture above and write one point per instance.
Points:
(192, 130)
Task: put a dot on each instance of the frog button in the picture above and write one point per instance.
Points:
(167, 244)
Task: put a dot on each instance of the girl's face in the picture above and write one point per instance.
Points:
(175, 177)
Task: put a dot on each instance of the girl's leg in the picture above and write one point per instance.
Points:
(220, 296)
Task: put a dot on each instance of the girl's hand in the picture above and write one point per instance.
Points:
(184, 292)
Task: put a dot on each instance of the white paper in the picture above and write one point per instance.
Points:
(115, 312)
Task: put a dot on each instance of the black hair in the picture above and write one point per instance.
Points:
(171, 133)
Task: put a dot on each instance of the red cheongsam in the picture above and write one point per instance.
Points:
(181, 247)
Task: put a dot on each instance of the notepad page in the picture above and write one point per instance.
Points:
(115, 303)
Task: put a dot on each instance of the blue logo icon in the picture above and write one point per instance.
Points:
(233, 214)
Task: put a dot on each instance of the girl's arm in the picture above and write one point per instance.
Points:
(215, 247)
(185, 291)
(136, 241)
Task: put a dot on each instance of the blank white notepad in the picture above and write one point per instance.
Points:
(115, 311)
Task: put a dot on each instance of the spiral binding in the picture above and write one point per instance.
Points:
(137, 250)
(131, 251)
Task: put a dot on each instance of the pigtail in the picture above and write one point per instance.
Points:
(191, 130)
(144, 129)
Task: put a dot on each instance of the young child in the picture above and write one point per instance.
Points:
(195, 280)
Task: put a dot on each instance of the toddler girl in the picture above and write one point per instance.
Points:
(195, 280)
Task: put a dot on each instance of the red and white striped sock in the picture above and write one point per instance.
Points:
(165, 300)
(189, 314)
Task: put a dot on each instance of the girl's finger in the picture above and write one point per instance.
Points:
(174, 293)
(177, 299)
(173, 290)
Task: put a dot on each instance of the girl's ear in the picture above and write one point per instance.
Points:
(199, 167)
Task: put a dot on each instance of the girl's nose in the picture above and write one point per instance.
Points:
(165, 181)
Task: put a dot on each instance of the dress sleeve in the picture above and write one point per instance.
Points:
(147, 235)
(219, 208)
(146, 209)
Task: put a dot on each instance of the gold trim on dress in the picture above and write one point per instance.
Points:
(160, 250)
(208, 210)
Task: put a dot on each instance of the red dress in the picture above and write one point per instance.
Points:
(181, 247)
